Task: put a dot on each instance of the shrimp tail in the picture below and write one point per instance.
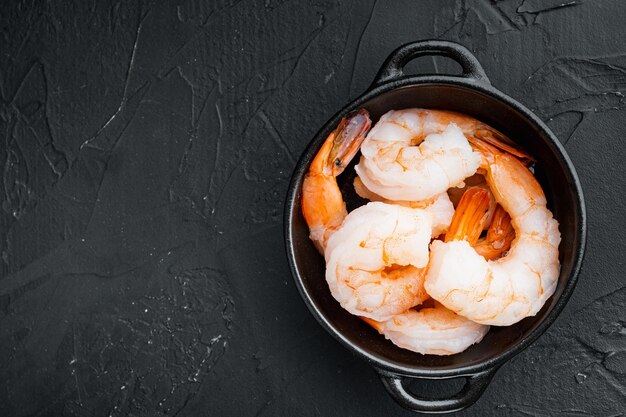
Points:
(487, 138)
(499, 237)
(347, 140)
(470, 216)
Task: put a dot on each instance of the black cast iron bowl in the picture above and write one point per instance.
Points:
(472, 94)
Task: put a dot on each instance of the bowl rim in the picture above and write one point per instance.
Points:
(540, 327)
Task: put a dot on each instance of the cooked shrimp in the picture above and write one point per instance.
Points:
(431, 331)
(375, 253)
(503, 291)
(322, 203)
(416, 154)
(440, 208)
(375, 260)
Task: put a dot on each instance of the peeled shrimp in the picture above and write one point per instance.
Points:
(503, 291)
(322, 203)
(375, 261)
(376, 254)
(431, 331)
(416, 154)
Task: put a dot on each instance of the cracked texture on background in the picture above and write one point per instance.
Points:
(145, 151)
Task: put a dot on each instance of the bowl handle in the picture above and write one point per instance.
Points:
(475, 385)
(392, 69)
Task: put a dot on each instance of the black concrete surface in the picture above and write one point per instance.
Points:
(145, 151)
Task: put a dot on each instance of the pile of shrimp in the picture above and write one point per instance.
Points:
(456, 236)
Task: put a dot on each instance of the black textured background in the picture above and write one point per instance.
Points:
(145, 151)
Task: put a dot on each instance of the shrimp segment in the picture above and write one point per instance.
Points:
(431, 331)
(322, 203)
(503, 291)
(440, 207)
(375, 261)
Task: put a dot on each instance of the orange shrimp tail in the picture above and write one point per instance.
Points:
(499, 237)
(491, 141)
(470, 216)
(375, 324)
